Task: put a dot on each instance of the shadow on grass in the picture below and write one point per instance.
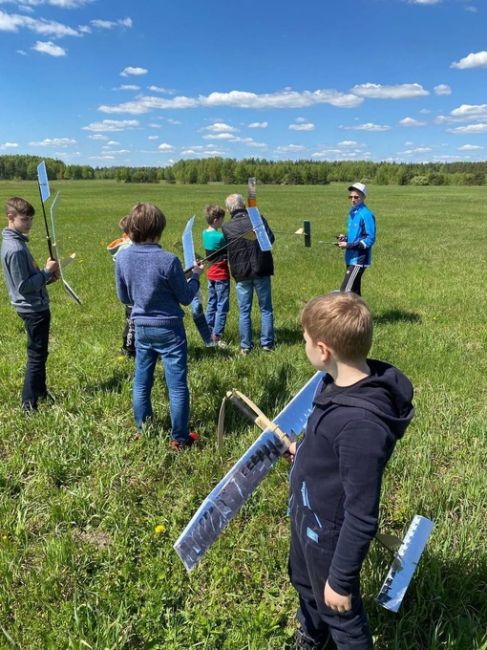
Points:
(289, 336)
(396, 316)
(113, 384)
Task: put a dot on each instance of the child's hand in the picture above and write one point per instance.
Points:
(52, 266)
(198, 268)
(290, 453)
(337, 602)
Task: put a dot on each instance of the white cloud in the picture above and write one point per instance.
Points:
(128, 87)
(221, 136)
(348, 143)
(291, 148)
(410, 152)
(159, 89)
(410, 121)
(111, 143)
(22, 52)
(473, 60)
(442, 89)
(368, 126)
(470, 129)
(219, 127)
(53, 142)
(48, 47)
(301, 126)
(110, 125)
(8, 145)
(425, 2)
(165, 147)
(238, 99)
(469, 147)
(400, 91)
(153, 137)
(470, 112)
(154, 125)
(13, 22)
(175, 122)
(98, 136)
(110, 24)
(131, 70)
(258, 125)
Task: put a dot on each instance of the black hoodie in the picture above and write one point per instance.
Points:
(337, 472)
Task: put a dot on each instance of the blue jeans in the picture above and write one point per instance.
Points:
(199, 318)
(218, 304)
(170, 344)
(245, 294)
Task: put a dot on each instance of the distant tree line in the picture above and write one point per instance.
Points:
(231, 171)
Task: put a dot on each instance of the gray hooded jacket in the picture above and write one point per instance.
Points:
(26, 283)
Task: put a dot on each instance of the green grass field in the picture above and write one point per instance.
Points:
(81, 564)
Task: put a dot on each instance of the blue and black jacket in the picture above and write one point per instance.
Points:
(335, 480)
(360, 236)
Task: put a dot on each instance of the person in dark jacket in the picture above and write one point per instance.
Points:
(363, 408)
(251, 269)
(26, 285)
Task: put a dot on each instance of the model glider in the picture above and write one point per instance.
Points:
(225, 501)
(45, 193)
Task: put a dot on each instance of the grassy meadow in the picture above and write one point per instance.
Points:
(82, 564)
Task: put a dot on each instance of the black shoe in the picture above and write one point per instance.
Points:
(303, 642)
(28, 408)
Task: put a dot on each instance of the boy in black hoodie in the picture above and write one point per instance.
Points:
(363, 408)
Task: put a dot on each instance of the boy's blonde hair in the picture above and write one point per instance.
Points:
(20, 206)
(342, 321)
(146, 222)
(213, 212)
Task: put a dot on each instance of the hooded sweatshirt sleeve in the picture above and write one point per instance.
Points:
(184, 290)
(363, 448)
(24, 279)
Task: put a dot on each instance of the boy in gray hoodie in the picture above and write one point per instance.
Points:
(26, 285)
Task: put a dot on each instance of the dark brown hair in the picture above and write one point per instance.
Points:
(342, 321)
(213, 212)
(146, 222)
(21, 206)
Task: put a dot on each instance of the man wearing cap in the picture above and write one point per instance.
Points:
(359, 239)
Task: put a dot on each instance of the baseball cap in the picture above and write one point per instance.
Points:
(360, 187)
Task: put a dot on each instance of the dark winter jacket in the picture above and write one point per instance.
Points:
(245, 258)
(26, 283)
(337, 472)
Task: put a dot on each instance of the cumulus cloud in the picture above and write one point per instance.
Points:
(14, 22)
(258, 125)
(153, 137)
(470, 129)
(53, 142)
(8, 145)
(165, 147)
(133, 87)
(470, 112)
(291, 148)
(220, 127)
(368, 126)
(442, 89)
(133, 70)
(470, 147)
(410, 121)
(159, 89)
(48, 47)
(301, 125)
(107, 126)
(410, 152)
(473, 60)
(238, 99)
(399, 91)
(111, 24)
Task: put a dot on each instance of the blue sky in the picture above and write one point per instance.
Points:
(105, 82)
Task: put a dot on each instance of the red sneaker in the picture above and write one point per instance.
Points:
(179, 446)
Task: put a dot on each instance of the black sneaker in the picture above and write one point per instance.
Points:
(303, 642)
